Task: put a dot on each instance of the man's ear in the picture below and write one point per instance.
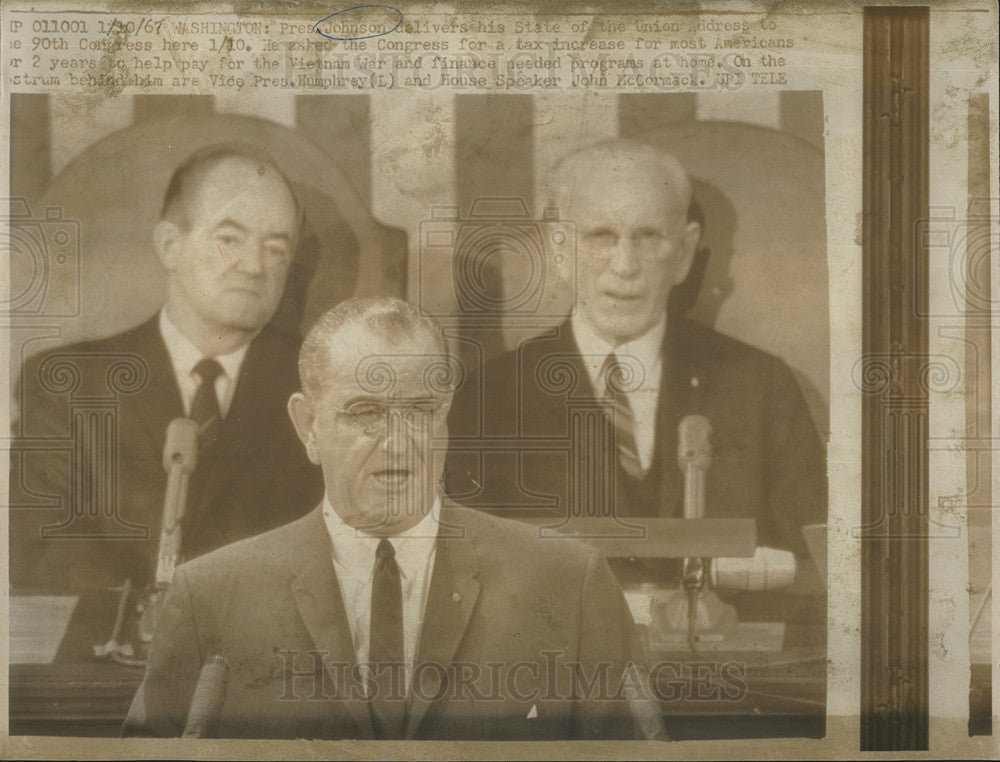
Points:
(300, 410)
(684, 256)
(166, 239)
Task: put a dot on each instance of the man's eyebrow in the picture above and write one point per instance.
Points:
(389, 401)
(361, 398)
(229, 222)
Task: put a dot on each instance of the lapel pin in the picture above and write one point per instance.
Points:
(456, 596)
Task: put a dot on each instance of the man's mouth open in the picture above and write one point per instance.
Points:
(392, 477)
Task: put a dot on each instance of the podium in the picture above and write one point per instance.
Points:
(768, 682)
(777, 692)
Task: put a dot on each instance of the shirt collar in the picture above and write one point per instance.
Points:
(646, 348)
(354, 551)
(186, 355)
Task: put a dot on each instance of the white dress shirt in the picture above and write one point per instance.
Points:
(354, 564)
(642, 354)
(184, 355)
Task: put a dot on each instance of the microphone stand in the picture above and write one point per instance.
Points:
(179, 459)
(693, 581)
(678, 613)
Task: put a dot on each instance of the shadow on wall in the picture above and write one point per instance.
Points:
(761, 274)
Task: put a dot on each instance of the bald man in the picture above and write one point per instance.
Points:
(226, 238)
(621, 354)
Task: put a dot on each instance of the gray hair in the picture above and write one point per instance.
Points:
(573, 168)
(384, 316)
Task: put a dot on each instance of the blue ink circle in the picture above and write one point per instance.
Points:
(367, 36)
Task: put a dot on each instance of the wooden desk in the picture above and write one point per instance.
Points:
(77, 694)
(75, 699)
(751, 694)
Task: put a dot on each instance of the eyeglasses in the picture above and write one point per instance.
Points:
(371, 417)
(647, 243)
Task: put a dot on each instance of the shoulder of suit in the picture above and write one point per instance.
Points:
(503, 369)
(275, 338)
(124, 342)
(264, 556)
(705, 345)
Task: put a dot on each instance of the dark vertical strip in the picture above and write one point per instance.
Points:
(340, 124)
(149, 107)
(494, 178)
(801, 113)
(894, 582)
(30, 149)
(495, 148)
(643, 112)
(979, 484)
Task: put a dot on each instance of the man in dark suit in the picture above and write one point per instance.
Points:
(226, 237)
(389, 612)
(532, 431)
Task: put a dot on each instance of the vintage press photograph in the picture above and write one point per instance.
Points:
(603, 362)
(385, 374)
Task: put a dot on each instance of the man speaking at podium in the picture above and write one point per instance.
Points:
(389, 612)
(226, 237)
(630, 203)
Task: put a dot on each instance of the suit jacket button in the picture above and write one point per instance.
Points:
(456, 596)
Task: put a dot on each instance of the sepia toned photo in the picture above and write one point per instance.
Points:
(408, 375)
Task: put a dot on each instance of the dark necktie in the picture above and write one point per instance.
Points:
(205, 405)
(385, 653)
(615, 376)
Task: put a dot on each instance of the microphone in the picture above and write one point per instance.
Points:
(769, 569)
(180, 454)
(209, 694)
(694, 456)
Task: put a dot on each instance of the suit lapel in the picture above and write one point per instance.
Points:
(245, 412)
(450, 601)
(160, 400)
(566, 343)
(544, 362)
(682, 392)
(317, 595)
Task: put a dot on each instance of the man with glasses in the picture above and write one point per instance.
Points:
(620, 350)
(391, 612)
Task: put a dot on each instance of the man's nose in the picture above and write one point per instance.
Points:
(625, 259)
(252, 260)
(395, 434)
